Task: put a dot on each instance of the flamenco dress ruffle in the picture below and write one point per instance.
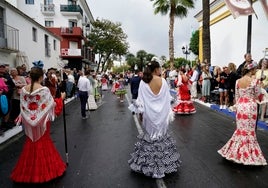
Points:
(184, 103)
(155, 158)
(243, 148)
(120, 91)
(39, 161)
(184, 107)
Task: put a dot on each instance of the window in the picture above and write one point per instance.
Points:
(29, 2)
(54, 44)
(47, 47)
(34, 33)
(48, 2)
(72, 23)
(49, 23)
(2, 31)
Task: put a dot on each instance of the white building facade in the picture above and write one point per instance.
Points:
(229, 35)
(70, 20)
(23, 40)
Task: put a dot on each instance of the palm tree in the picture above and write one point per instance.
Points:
(175, 8)
(206, 32)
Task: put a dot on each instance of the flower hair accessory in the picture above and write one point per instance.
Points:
(251, 65)
(149, 64)
(38, 64)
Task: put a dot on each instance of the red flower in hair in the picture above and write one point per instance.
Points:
(33, 106)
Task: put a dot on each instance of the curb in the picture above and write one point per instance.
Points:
(215, 107)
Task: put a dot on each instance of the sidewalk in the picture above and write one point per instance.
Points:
(260, 124)
(18, 129)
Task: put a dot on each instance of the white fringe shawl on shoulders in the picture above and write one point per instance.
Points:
(156, 109)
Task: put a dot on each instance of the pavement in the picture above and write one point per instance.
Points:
(99, 148)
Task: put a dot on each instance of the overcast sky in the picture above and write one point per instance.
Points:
(145, 30)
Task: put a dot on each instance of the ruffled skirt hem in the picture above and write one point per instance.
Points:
(155, 158)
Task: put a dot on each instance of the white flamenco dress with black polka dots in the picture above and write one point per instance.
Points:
(155, 153)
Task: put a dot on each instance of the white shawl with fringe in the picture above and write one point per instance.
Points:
(156, 109)
(37, 108)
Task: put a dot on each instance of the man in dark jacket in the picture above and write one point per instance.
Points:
(248, 59)
(134, 85)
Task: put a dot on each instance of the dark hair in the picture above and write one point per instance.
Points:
(87, 72)
(148, 71)
(35, 74)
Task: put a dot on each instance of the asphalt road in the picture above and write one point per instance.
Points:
(99, 148)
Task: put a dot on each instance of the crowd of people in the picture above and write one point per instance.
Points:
(35, 97)
(243, 88)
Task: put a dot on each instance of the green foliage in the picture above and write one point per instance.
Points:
(131, 60)
(194, 42)
(121, 69)
(179, 62)
(108, 40)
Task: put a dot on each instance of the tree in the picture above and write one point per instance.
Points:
(108, 40)
(142, 59)
(175, 8)
(206, 32)
(131, 60)
(194, 42)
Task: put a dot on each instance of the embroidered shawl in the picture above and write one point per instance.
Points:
(156, 109)
(37, 108)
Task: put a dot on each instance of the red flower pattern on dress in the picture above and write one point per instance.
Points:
(37, 97)
(43, 106)
(245, 154)
(33, 117)
(33, 106)
(243, 146)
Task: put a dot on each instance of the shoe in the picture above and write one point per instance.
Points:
(85, 117)
(221, 107)
(224, 107)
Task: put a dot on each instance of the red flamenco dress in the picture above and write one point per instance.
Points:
(39, 161)
(184, 103)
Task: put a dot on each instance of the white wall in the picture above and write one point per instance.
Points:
(34, 50)
(229, 38)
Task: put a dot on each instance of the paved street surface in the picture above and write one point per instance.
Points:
(99, 149)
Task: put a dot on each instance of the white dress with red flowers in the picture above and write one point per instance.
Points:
(243, 146)
(39, 161)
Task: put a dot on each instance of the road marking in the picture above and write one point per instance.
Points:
(159, 182)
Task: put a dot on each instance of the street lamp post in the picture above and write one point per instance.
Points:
(187, 51)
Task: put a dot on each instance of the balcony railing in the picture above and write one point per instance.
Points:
(71, 9)
(70, 52)
(72, 31)
(48, 9)
(9, 38)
